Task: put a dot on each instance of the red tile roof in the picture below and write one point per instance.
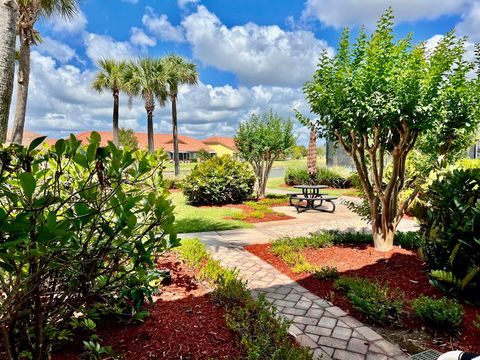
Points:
(163, 141)
(28, 137)
(222, 140)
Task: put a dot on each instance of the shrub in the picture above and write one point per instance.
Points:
(450, 225)
(79, 230)
(219, 180)
(336, 177)
(442, 314)
(371, 298)
(192, 252)
(468, 164)
(173, 183)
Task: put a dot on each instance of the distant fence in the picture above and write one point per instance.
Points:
(337, 156)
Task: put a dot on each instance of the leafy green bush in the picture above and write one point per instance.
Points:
(450, 225)
(79, 230)
(371, 298)
(468, 164)
(442, 314)
(263, 335)
(219, 180)
(336, 177)
(173, 183)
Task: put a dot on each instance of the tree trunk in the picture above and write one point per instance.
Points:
(383, 237)
(8, 26)
(23, 80)
(151, 145)
(312, 155)
(176, 158)
(115, 118)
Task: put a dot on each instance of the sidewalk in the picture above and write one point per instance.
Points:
(316, 323)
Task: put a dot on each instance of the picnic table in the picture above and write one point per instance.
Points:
(311, 194)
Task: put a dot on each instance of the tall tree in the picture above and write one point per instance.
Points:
(8, 18)
(178, 71)
(110, 77)
(146, 78)
(379, 96)
(262, 140)
(29, 12)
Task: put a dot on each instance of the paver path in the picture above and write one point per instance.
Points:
(316, 323)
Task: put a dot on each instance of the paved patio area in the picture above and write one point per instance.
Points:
(316, 323)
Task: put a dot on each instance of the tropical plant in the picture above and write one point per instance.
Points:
(29, 12)
(379, 96)
(261, 140)
(8, 33)
(178, 71)
(110, 77)
(219, 180)
(145, 77)
(449, 216)
(127, 139)
(79, 231)
(312, 144)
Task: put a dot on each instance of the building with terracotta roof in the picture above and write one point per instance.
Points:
(28, 137)
(188, 147)
(222, 145)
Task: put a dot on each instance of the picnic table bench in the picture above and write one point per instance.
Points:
(311, 195)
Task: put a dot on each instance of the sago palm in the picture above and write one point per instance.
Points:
(110, 77)
(178, 71)
(8, 18)
(29, 12)
(145, 77)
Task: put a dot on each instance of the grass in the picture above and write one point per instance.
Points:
(278, 183)
(198, 219)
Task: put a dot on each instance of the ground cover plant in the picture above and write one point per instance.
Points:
(381, 288)
(334, 177)
(79, 230)
(262, 334)
(382, 98)
(217, 181)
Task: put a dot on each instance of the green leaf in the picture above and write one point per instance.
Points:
(35, 142)
(28, 183)
(81, 160)
(95, 137)
(60, 147)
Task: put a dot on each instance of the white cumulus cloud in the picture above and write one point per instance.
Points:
(56, 49)
(340, 13)
(102, 46)
(75, 25)
(139, 38)
(256, 54)
(161, 27)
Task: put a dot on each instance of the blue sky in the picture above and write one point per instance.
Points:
(252, 55)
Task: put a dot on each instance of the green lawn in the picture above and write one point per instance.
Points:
(296, 163)
(197, 219)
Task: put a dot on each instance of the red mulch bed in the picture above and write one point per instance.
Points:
(398, 268)
(184, 323)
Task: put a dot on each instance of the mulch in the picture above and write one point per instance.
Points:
(184, 323)
(400, 268)
(253, 220)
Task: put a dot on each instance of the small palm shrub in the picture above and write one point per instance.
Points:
(371, 298)
(450, 225)
(443, 314)
(219, 180)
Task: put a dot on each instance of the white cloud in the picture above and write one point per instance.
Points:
(470, 24)
(182, 4)
(102, 46)
(161, 27)
(340, 13)
(58, 50)
(72, 26)
(256, 54)
(139, 38)
(61, 101)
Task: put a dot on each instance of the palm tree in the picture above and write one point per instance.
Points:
(29, 12)
(178, 71)
(110, 77)
(312, 154)
(145, 78)
(8, 31)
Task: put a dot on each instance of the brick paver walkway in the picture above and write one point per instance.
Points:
(316, 323)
